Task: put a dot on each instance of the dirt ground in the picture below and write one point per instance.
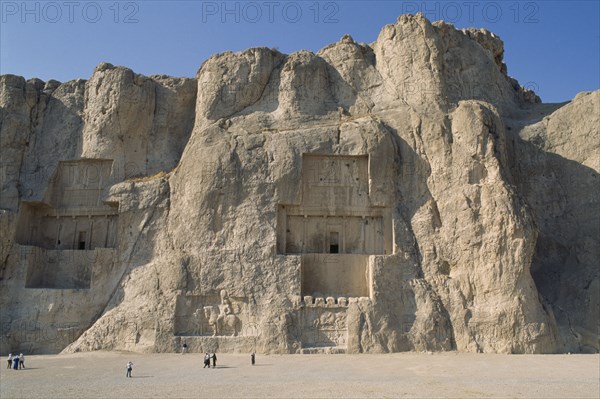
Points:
(403, 375)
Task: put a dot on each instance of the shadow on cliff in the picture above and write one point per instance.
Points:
(562, 196)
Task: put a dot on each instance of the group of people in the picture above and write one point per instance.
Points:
(207, 357)
(16, 362)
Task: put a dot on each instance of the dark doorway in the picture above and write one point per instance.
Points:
(81, 245)
(334, 246)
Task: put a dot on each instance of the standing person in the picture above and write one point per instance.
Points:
(129, 368)
(184, 348)
(16, 362)
(214, 359)
(252, 358)
(206, 360)
(9, 360)
(21, 361)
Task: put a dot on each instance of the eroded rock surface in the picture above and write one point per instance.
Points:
(403, 195)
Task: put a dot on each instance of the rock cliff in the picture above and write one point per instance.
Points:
(403, 195)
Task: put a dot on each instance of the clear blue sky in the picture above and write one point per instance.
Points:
(551, 46)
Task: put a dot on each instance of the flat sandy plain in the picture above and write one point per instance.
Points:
(448, 375)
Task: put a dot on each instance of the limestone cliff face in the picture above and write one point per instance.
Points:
(67, 239)
(403, 195)
(141, 123)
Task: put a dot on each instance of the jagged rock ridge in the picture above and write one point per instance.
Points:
(403, 195)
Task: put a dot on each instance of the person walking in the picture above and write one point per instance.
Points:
(214, 359)
(129, 368)
(9, 360)
(206, 360)
(21, 361)
(253, 358)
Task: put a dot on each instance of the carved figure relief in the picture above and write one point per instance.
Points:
(201, 315)
(220, 322)
(322, 327)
